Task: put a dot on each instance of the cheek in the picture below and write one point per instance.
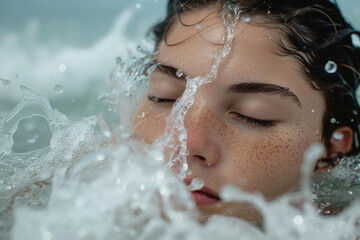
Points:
(266, 162)
(148, 123)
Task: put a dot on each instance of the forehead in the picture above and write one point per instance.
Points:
(193, 47)
(201, 33)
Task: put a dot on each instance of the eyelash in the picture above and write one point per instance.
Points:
(160, 100)
(254, 121)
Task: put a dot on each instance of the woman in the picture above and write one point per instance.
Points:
(288, 82)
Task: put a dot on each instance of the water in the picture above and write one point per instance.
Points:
(85, 178)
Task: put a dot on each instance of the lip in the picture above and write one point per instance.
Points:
(204, 196)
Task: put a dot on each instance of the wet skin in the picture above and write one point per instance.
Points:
(251, 139)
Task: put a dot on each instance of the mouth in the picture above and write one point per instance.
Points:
(204, 196)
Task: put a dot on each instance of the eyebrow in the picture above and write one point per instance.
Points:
(249, 87)
(169, 70)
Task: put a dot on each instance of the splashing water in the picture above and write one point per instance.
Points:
(123, 191)
(176, 146)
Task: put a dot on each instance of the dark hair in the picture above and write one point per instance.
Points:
(317, 35)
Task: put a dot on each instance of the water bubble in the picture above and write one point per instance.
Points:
(32, 140)
(268, 12)
(59, 88)
(198, 26)
(330, 67)
(337, 136)
(246, 19)
(179, 73)
(196, 184)
(5, 82)
(312, 110)
(298, 220)
(333, 120)
(138, 5)
(62, 67)
(355, 40)
(350, 192)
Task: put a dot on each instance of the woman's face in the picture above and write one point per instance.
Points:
(251, 125)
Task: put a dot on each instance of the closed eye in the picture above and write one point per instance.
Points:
(160, 100)
(254, 121)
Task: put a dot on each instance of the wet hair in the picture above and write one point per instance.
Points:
(317, 35)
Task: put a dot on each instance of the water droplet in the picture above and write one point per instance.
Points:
(330, 67)
(158, 155)
(142, 115)
(44, 175)
(32, 140)
(160, 176)
(259, 39)
(5, 82)
(62, 67)
(107, 99)
(246, 19)
(337, 136)
(118, 181)
(350, 192)
(355, 40)
(268, 12)
(100, 157)
(139, 48)
(196, 184)
(198, 26)
(333, 120)
(138, 5)
(312, 110)
(298, 220)
(179, 73)
(59, 88)
(109, 108)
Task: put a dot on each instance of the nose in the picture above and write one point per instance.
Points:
(202, 143)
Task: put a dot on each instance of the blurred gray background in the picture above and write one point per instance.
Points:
(66, 49)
